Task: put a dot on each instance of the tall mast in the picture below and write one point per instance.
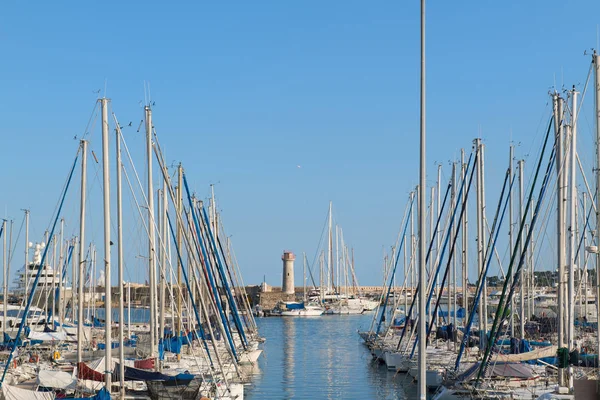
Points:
(483, 236)
(337, 257)
(107, 282)
(81, 251)
(330, 254)
(56, 267)
(596, 62)
(557, 110)
(304, 277)
(163, 260)
(531, 251)
(414, 251)
(120, 267)
(4, 274)
(523, 273)
(465, 260)
(452, 279)
(321, 276)
(26, 253)
(60, 274)
(406, 270)
(422, 208)
(151, 245)
(432, 260)
(213, 210)
(480, 312)
(573, 218)
(511, 220)
(179, 230)
(437, 215)
(585, 271)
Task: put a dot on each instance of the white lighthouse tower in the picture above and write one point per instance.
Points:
(287, 286)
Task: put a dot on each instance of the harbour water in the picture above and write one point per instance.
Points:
(321, 358)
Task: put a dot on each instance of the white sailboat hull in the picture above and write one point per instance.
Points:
(302, 313)
(433, 377)
(250, 357)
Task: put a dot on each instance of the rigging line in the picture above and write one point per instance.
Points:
(489, 232)
(482, 277)
(208, 269)
(187, 283)
(516, 278)
(194, 251)
(585, 180)
(219, 265)
(66, 184)
(463, 180)
(531, 173)
(516, 248)
(587, 81)
(587, 220)
(93, 115)
(488, 255)
(138, 208)
(391, 276)
(12, 252)
(145, 226)
(433, 279)
(317, 250)
(39, 273)
(239, 277)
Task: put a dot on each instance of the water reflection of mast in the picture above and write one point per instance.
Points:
(289, 338)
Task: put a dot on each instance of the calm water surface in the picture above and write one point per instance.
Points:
(321, 358)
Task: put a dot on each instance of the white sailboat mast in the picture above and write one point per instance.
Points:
(523, 273)
(179, 244)
(107, 274)
(26, 253)
(59, 271)
(304, 277)
(163, 259)
(437, 216)
(596, 62)
(80, 253)
(511, 241)
(151, 239)
(330, 254)
(480, 249)
(120, 266)
(573, 219)
(465, 267)
(4, 274)
(557, 110)
(422, 363)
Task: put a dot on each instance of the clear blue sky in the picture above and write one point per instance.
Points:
(246, 91)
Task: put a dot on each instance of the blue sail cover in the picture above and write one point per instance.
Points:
(9, 342)
(460, 313)
(135, 374)
(190, 337)
(173, 344)
(113, 345)
(101, 395)
(294, 306)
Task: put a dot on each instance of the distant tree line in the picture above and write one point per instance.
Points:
(543, 278)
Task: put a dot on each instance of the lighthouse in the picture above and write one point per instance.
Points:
(287, 286)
